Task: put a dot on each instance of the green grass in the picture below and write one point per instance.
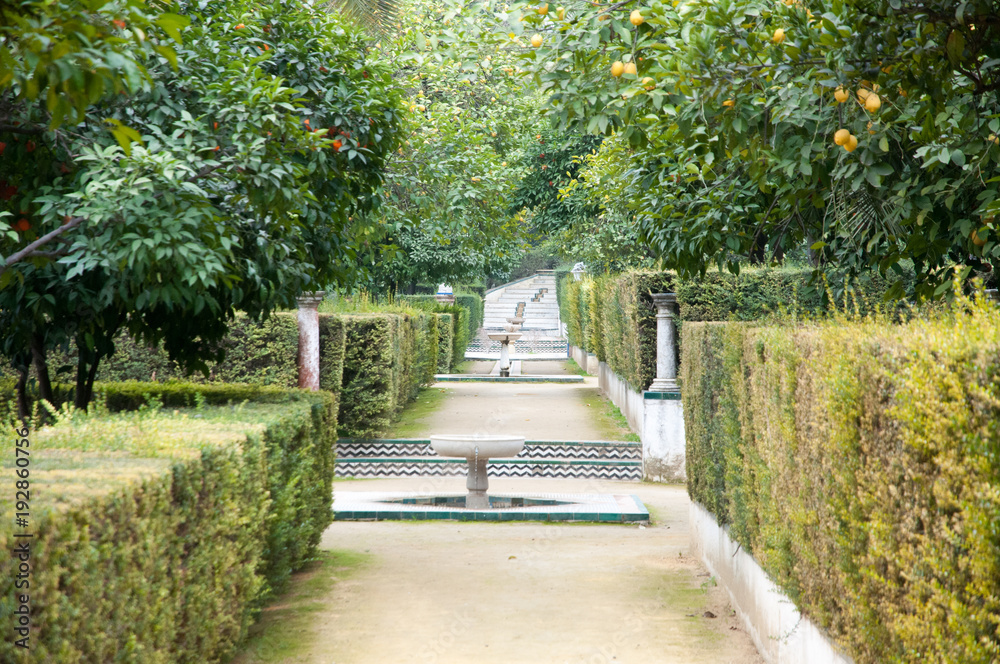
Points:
(286, 627)
(609, 420)
(412, 420)
(575, 369)
(84, 455)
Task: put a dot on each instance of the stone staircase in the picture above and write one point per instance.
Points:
(533, 299)
(602, 460)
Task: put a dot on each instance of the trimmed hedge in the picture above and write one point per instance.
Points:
(446, 335)
(859, 462)
(466, 317)
(613, 316)
(171, 567)
(262, 353)
(387, 358)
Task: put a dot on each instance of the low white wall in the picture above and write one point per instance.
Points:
(587, 361)
(629, 401)
(780, 632)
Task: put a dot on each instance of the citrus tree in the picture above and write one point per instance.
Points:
(248, 167)
(731, 109)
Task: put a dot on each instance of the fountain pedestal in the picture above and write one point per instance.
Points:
(477, 450)
(505, 338)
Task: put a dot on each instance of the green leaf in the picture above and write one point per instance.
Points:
(172, 24)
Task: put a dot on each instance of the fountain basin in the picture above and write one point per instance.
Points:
(477, 449)
(504, 337)
(489, 446)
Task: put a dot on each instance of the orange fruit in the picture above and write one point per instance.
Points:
(544, 9)
(841, 95)
(630, 68)
(873, 102)
(617, 69)
(852, 143)
(779, 36)
(636, 18)
(536, 41)
(841, 136)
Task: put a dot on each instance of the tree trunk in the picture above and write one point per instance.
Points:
(758, 248)
(23, 410)
(41, 368)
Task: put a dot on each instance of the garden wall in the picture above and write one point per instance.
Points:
(859, 463)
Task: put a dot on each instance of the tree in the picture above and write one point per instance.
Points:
(731, 116)
(247, 179)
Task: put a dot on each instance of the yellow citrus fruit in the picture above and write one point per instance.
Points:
(648, 83)
(630, 68)
(841, 95)
(992, 138)
(561, 13)
(841, 137)
(976, 240)
(851, 144)
(636, 17)
(779, 36)
(863, 95)
(617, 69)
(421, 108)
(543, 9)
(729, 103)
(873, 102)
(536, 41)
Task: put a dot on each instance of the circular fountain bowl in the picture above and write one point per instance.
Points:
(490, 446)
(504, 336)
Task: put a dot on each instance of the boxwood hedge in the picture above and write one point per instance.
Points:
(859, 462)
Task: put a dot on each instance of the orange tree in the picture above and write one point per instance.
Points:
(251, 160)
(730, 110)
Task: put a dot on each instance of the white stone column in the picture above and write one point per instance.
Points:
(309, 340)
(666, 344)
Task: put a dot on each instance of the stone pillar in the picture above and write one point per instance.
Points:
(666, 344)
(309, 340)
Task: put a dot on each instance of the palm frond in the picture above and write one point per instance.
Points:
(379, 17)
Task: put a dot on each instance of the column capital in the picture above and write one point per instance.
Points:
(310, 299)
(665, 303)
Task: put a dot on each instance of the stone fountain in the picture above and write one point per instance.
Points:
(477, 450)
(509, 334)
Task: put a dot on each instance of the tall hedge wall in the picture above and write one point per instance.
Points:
(859, 462)
(387, 358)
(613, 316)
(169, 567)
(467, 318)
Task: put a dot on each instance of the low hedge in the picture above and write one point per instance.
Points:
(859, 462)
(164, 553)
(613, 316)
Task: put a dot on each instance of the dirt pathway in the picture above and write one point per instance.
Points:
(521, 592)
(538, 411)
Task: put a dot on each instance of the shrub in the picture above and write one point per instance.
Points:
(446, 333)
(614, 317)
(158, 544)
(860, 463)
(387, 357)
(263, 353)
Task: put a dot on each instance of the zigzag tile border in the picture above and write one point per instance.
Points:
(577, 469)
(533, 449)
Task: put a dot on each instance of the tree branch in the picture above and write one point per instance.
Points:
(30, 251)
(18, 129)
